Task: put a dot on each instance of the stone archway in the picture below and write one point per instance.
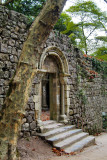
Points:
(53, 63)
(51, 88)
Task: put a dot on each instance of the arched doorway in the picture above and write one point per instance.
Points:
(53, 92)
(51, 89)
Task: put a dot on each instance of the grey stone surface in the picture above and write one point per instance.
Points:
(83, 114)
(33, 125)
(69, 139)
(33, 133)
(25, 127)
(29, 119)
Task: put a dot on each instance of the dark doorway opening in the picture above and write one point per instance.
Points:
(45, 98)
(45, 93)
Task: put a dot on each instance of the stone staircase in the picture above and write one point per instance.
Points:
(65, 137)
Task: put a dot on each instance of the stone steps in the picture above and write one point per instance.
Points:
(65, 137)
(52, 126)
(66, 134)
(69, 141)
(56, 131)
(81, 144)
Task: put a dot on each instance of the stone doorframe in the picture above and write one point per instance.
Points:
(63, 76)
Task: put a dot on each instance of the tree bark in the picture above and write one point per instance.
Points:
(14, 106)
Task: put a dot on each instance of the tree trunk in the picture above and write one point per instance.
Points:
(14, 106)
(85, 43)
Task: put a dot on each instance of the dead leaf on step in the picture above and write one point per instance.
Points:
(73, 153)
(58, 152)
(33, 149)
(81, 150)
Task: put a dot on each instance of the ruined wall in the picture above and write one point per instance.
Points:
(12, 35)
(87, 96)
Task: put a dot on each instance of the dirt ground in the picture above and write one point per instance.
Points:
(36, 149)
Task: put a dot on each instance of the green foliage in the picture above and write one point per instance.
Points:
(27, 7)
(30, 20)
(104, 121)
(62, 22)
(101, 53)
(73, 31)
(65, 25)
(102, 38)
(90, 18)
(82, 96)
(103, 90)
(100, 67)
(94, 130)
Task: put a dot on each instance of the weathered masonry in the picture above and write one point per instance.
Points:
(65, 88)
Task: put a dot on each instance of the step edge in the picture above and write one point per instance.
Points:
(72, 142)
(66, 136)
(87, 144)
(56, 131)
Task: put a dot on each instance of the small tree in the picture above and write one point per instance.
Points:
(90, 19)
(65, 25)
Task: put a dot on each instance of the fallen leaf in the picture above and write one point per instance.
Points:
(33, 149)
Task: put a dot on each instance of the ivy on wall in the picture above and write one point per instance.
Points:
(104, 116)
(98, 65)
(82, 96)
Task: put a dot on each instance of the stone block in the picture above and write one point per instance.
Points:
(14, 52)
(37, 106)
(23, 120)
(8, 65)
(33, 125)
(25, 127)
(32, 113)
(4, 48)
(26, 134)
(1, 82)
(6, 33)
(22, 31)
(33, 133)
(1, 101)
(36, 98)
(27, 107)
(29, 118)
(30, 100)
(4, 57)
(71, 112)
(6, 74)
(6, 89)
(14, 36)
(1, 73)
(32, 106)
(21, 134)
(9, 49)
(12, 42)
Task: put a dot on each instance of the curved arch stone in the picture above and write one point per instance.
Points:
(54, 51)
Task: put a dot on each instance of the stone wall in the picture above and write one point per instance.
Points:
(87, 90)
(13, 28)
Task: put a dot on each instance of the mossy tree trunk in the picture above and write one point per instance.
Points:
(15, 102)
